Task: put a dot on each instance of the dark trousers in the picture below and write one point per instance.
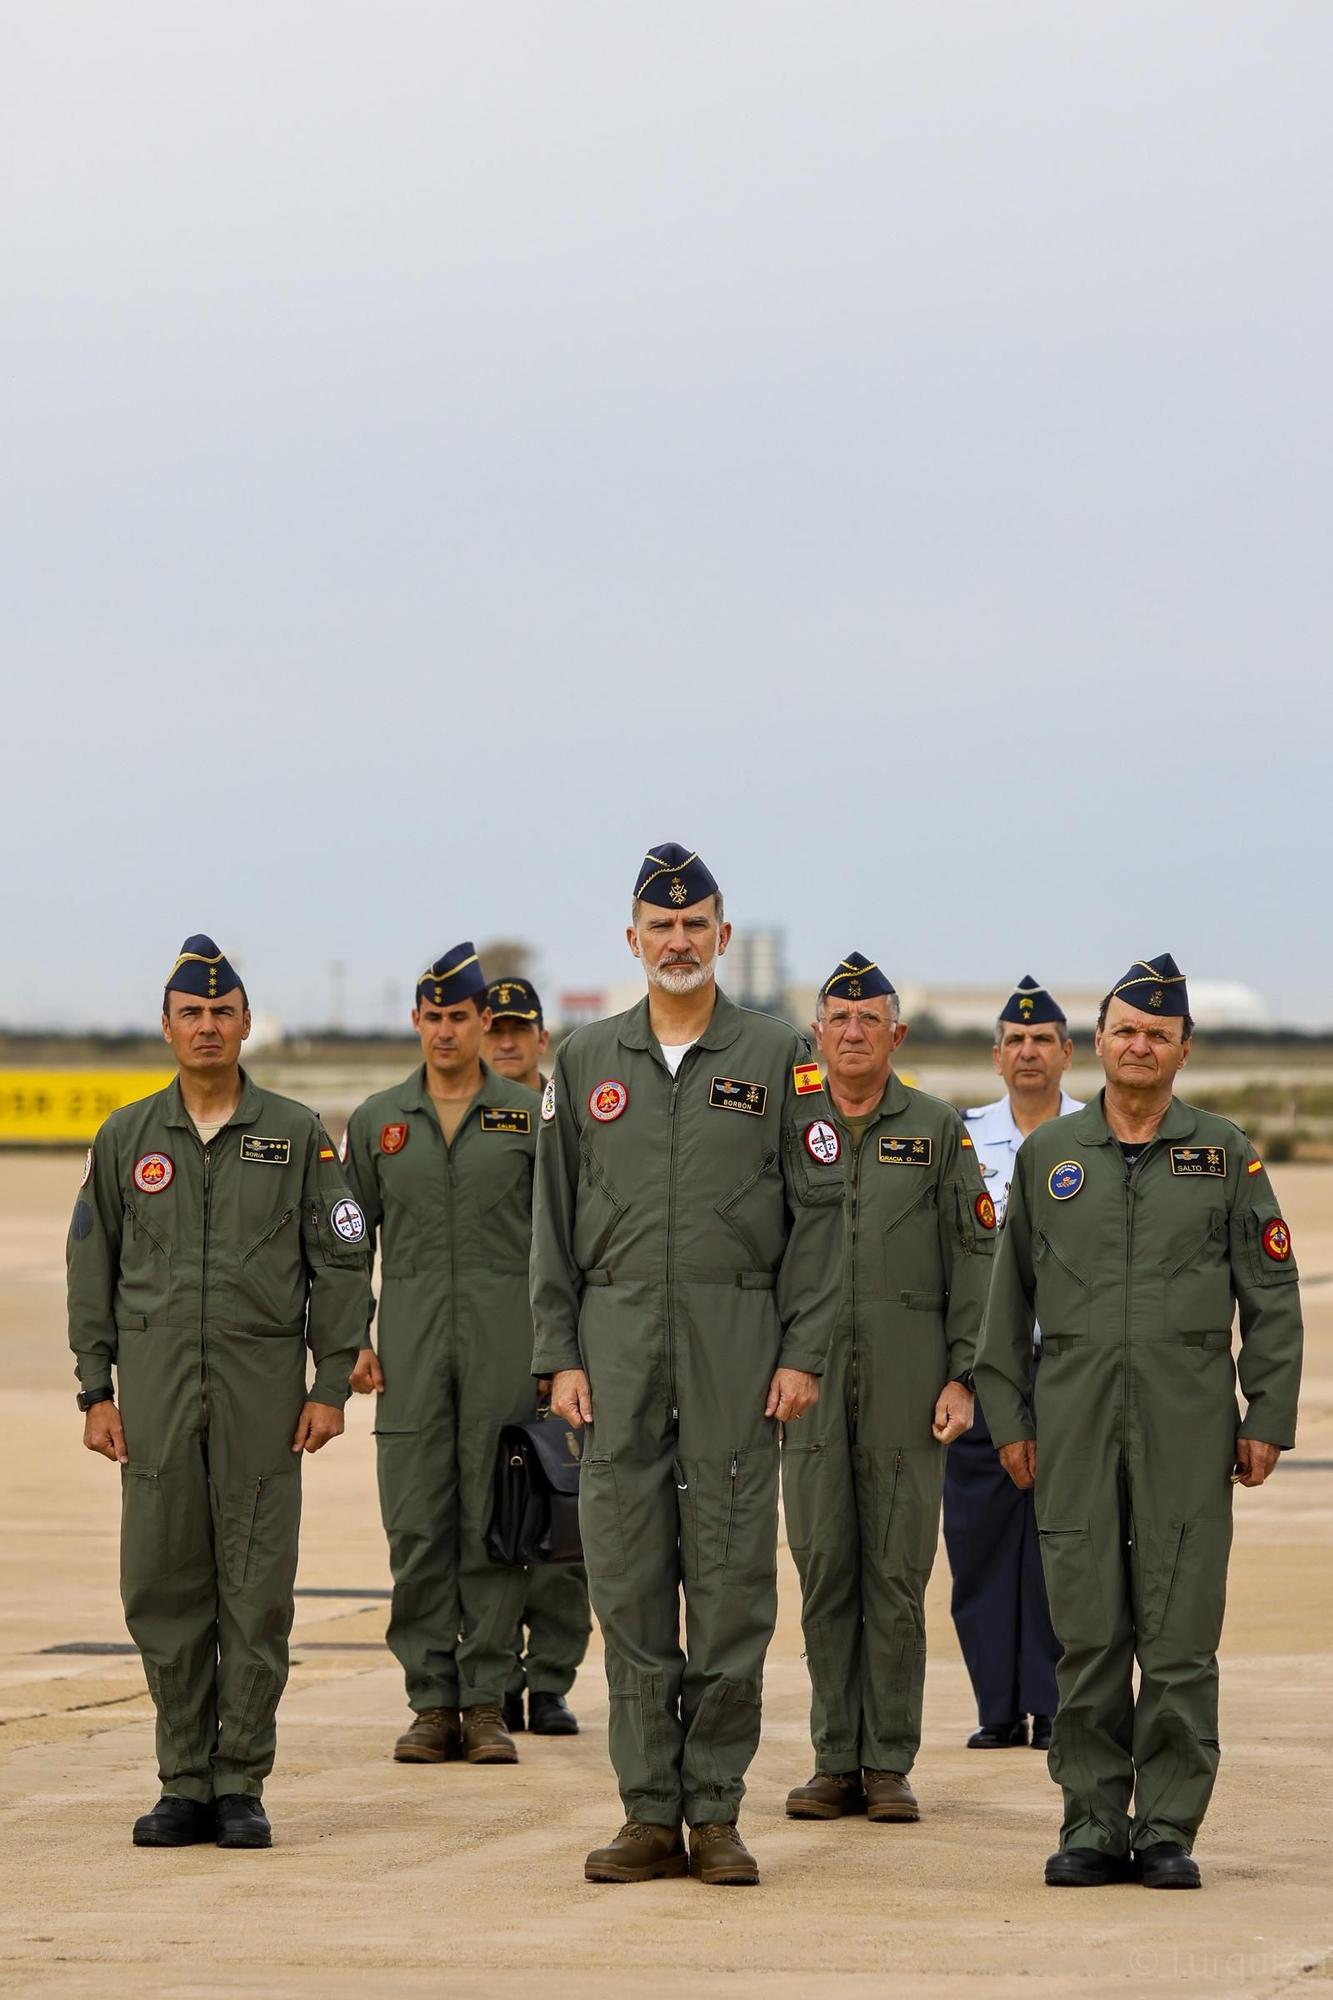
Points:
(999, 1593)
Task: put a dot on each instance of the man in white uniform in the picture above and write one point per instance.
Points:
(990, 1529)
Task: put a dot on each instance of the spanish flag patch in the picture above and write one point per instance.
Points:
(327, 1153)
(966, 1143)
(805, 1078)
(1255, 1167)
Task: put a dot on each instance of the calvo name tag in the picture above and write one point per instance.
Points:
(506, 1121)
(265, 1152)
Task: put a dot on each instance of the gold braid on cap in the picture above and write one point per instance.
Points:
(846, 971)
(1149, 978)
(676, 868)
(195, 958)
(449, 970)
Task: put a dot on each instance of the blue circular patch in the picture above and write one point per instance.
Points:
(1065, 1180)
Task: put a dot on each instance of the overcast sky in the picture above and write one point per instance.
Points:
(448, 449)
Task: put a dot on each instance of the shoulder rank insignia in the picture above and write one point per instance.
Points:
(725, 1093)
(806, 1077)
(1192, 1160)
(268, 1152)
(506, 1121)
(896, 1152)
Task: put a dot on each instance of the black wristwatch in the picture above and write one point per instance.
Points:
(966, 1380)
(87, 1397)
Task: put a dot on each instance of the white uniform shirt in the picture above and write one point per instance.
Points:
(992, 1130)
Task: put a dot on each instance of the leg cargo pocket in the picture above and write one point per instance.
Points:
(600, 1521)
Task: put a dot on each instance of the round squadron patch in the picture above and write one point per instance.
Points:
(548, 1101)
(1064, 1181)
(348, 1220)
(154, 1172)
(985, 1209)
(87, 1167)
(607, 1101)
(1276, 1240)
(822, 1143)
(393, 1138)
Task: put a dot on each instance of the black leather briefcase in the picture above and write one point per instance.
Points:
(535, 1501)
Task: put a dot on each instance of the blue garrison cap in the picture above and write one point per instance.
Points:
(456, 975)
(203, 970)
(514, 1000)
(1031, 1006)
(857, 978)
(674, 878)
(1154, 985)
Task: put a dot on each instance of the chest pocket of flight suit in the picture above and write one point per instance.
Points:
(599, 1209)
(755, 1211)
(909, 1235)
(1064, 1298)
(272, 1280)
(145, 1263)
(497, 1196)
(1198, 1281)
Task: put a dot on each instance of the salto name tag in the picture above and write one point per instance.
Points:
(1190, 1161)
(265, 1152)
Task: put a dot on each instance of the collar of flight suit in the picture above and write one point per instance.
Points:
(896, 1098)
(1091, 1128)
(246, 1112)
(414, 1096)
(724, 1028)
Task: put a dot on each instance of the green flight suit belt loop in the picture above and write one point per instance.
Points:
(744, 1281)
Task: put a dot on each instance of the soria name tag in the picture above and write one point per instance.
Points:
(265, 1152)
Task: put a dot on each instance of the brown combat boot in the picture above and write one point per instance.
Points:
(639, 1853)
(719, 1855)
(828, 1795)
(434, 1738)
(485, 1738)
(890, 1797)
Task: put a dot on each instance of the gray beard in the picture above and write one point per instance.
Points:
(681, 979)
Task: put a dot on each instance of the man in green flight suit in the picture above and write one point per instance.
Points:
(685, 1268)
(213, 1241)
(863, 1477)
(555, 1607)
(442, 1165)
(1134, 1228)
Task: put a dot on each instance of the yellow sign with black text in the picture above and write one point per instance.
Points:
(45, 1107)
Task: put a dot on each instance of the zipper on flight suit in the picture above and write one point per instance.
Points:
(670, 1217)
(856, 1357)
(1131, 1197)
(203, 1287)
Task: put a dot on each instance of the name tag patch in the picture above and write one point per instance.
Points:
(266, 1152)
(1191, 1160)
(896, 1152)
(727, 1093)
(506, 1121)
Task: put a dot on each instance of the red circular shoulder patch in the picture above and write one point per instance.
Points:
(608, 1100)
(985, 1208)
(393, 1138)
(1276, 1240)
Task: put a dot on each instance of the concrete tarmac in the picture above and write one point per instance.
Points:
(451, 1880)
